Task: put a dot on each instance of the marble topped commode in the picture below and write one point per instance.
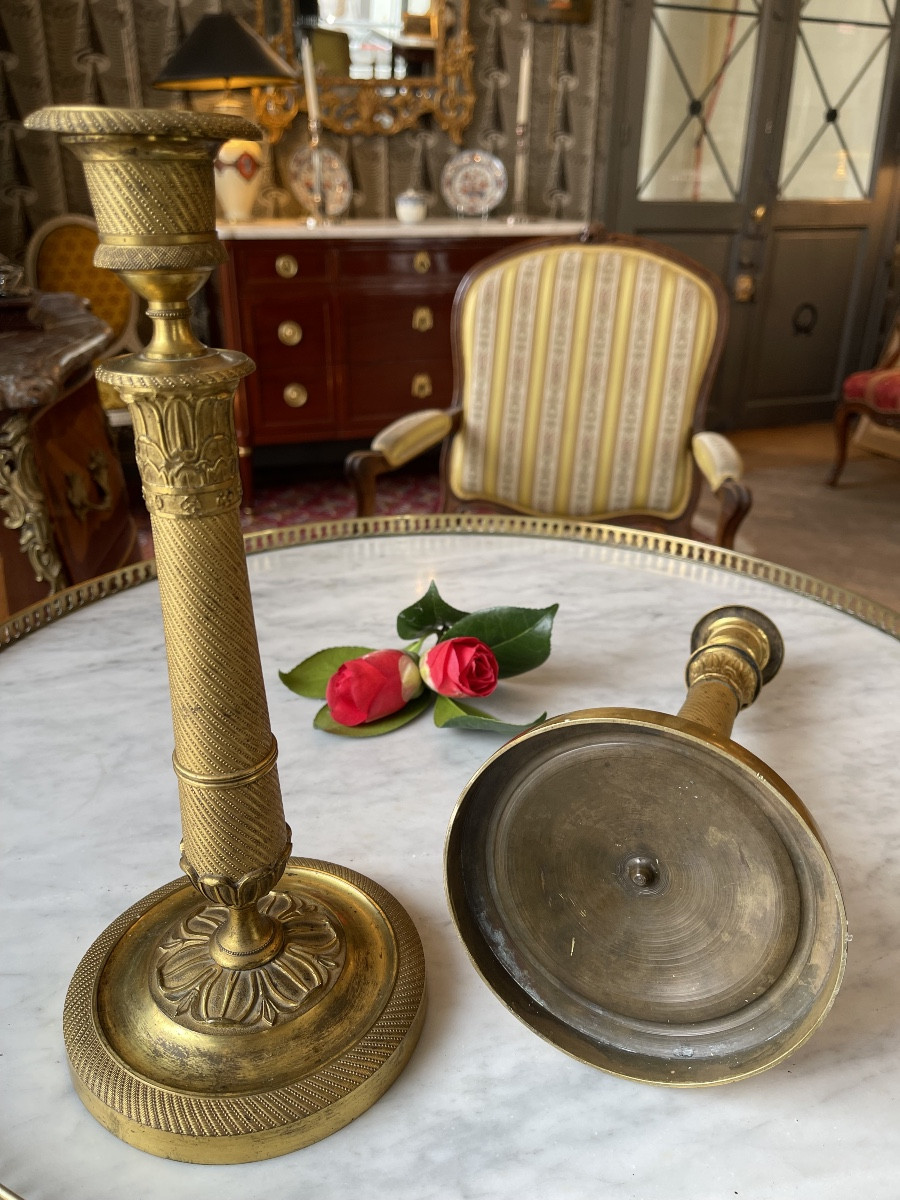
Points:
(485, 1110)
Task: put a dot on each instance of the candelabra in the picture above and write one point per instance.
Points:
(264, 1001)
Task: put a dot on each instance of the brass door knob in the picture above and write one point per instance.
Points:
(423, 319)
(289, 333)
(286, 266)
(421, 386)
(422, 262)
(744, 287)
(295, 395)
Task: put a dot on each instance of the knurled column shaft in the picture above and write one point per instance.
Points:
(231, 809)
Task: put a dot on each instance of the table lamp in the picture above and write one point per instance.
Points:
(259, 1002)
(223, 54)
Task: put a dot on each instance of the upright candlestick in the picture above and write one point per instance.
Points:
(263, 1001)
(525, 72)
(309, 79)
(520, 174)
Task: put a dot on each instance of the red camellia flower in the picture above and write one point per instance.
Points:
(374, 686)
(461, 666)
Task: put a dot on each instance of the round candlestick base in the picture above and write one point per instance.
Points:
(186, 1057)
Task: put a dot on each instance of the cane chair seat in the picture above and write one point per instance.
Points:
(60, 258)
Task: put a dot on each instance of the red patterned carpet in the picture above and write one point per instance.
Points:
(316, 496)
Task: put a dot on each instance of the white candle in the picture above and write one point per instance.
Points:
(524, 82)
(309, 79)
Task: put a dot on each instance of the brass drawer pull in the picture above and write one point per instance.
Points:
(423, 319)
(286, 266)
(295, 395)
(421, 386)
(289, 333)
(422, 262)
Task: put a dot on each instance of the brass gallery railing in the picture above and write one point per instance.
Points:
(35, 617)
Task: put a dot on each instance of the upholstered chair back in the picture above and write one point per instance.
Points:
(581, 374)
(60, 258)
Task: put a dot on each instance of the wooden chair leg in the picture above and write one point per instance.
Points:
(734, 504)
(842, 419)
(361, 469)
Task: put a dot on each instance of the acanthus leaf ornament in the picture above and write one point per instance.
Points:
(199, 992)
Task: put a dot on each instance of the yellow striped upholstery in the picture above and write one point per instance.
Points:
(581, 367)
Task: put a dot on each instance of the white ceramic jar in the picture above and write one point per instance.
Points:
(411, 206)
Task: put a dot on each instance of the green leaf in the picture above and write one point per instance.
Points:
(431, 614)
(519, 637)
(310, 678)
(324, 720)
(454, 714)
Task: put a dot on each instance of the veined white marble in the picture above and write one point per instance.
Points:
(485, 1109)
(388, 227)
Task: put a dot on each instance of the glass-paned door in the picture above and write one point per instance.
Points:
(699, 88)
(760, 137)
(839, 66)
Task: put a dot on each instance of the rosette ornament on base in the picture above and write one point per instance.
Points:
(264, 1001)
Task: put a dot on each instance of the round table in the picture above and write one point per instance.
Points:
(485, 1108)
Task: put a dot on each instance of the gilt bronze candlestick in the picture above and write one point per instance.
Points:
(265, 1001)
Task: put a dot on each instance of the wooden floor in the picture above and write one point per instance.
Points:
(849, 535)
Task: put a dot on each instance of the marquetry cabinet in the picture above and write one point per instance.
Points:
(349, 326)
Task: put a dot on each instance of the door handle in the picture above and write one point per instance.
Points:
(295, 395)
(77, 492)
(421, 386)
(744, 287)
(423, 319)
(289, 333)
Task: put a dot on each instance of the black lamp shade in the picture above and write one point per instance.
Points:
(223, 52)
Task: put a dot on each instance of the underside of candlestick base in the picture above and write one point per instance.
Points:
(188, 1059)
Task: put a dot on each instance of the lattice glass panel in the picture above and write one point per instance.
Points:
(699, 84)
(858, 11)
(839, 72)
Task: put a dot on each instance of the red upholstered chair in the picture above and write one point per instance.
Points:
(873, 394)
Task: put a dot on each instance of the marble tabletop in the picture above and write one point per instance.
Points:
(485, 1108)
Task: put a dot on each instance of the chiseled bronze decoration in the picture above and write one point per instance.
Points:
(77, 488)
(23, 505)
(383, 106)
(645, 893)
(265, 1001)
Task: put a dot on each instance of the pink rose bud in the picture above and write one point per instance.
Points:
(374, 686)
(461, 666)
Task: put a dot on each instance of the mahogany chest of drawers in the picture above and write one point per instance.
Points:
(348, 329)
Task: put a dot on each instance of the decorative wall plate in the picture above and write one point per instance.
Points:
(337, 189)
(473, 182)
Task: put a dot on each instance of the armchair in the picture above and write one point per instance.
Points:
(868, 397)
(582, 371)
(60, 258)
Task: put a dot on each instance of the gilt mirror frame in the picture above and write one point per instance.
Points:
(380, 106)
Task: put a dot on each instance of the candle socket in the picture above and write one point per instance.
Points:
(262, 1002)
